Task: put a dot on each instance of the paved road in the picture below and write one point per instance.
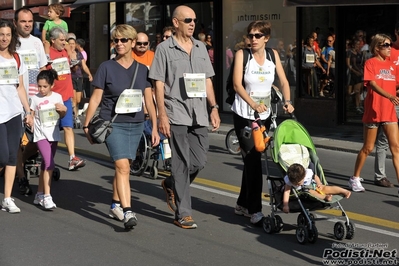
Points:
(79, 232)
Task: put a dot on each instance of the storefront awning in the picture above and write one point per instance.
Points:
(338, 2)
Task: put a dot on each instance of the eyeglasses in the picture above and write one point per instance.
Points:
(166, 37)
(142, 43)
(123, 40)
(386, 45)
(188, 20)
(256, 35)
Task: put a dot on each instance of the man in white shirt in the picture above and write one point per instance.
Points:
(32, 52)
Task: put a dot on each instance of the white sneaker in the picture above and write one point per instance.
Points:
(256, 217)
(48, 203)
(38, 199)
(116, 212)
(239, 210)
(130, 220)
(8, 205)
(355, 185)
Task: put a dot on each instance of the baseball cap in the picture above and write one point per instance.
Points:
(71, 36)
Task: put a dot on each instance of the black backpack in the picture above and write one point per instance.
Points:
(229, 83)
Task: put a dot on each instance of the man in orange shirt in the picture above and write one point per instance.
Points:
(141, 53)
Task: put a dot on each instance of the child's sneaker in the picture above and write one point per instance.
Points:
(355, 185)
(239, 210)
(76, 163)
(256, 217)
(130, 220)
(38, 199)
(116, 212)
(8, 205)
(48, 203)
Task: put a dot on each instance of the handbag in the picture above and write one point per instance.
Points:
(98, 128)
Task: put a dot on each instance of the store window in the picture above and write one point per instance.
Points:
(237, 16)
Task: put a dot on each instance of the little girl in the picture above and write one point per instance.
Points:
(47, 107)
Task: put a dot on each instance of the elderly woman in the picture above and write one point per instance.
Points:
(13, 101)
(111, 79)
(379, 106)
(258, 79)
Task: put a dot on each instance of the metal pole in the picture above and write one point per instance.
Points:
(18, 4)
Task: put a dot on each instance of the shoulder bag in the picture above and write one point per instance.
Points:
(98, 128)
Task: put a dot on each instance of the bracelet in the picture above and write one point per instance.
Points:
(288, 101)
(84, 127)
(28, 113)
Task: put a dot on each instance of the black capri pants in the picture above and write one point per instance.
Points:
(10, 139)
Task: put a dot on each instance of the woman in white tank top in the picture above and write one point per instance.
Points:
(258, 77)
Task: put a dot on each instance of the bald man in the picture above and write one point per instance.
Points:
(141, 53)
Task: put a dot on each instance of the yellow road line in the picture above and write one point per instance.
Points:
(351, 215)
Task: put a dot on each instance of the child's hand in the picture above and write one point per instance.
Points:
(286, 209)
(59, 107)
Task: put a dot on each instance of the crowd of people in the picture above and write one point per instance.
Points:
(49, 76)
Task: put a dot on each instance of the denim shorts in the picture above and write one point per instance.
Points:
(376, 125)
(122, 143)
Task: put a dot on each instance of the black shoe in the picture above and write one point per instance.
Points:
(24, 188)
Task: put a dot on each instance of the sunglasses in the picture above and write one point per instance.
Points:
(386, 45)
(123, 40)
(166, 36)
(142, 43)
(188, 20)
(256, 35)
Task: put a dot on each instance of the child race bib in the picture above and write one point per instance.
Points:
(48, 115)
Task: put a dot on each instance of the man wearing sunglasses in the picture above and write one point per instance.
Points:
(182, 73)
(140, 52)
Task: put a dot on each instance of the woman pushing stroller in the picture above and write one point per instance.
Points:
(297, 176)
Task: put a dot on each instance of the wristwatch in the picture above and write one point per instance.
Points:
(215, 106)
(84, 127)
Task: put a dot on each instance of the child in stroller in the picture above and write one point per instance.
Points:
(297, 176)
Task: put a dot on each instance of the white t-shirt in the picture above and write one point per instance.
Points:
(51, 133)
(32, 45)
(308, 179)
(10, 104)
(258, 80)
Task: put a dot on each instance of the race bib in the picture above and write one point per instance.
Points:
(61, 65)
(260, 97)
(8, 73)
(30, 58)
(310, 58)
(48, 115)
(195, 84)
(130, 101)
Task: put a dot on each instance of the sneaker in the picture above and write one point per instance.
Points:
(359, 111)
(38, 199)
(355, 185)
(8, 205)
(116, 212)
(239, 210)
(77, 122)
(170, 197)
(256, 217)
(383, 182)
(186, 222)
(76, 163)
(48, 203)
(130, 219)
(24, 188)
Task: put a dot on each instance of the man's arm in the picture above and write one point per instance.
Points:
(164, 126)
(210, 95)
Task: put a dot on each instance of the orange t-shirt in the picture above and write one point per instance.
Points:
(376, 107)
(145, 59)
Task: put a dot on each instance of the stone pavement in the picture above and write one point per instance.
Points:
(348, 138)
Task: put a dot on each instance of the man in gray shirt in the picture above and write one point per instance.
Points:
(182, 73)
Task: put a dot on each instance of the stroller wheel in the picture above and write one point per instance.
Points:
(350, 234)
(268, 225)
(313, 234)
(339, 230)
(154, 172)
(278, 224)
(56, 174)
(301, 234)
(301, 220)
